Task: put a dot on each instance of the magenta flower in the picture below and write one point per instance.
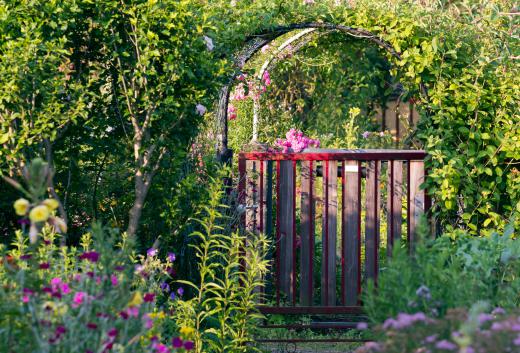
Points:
(112, 332)
(114, 280)
(92, 326)
(78, 299)
(149, 297)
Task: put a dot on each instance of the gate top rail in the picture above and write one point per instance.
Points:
(335, 155)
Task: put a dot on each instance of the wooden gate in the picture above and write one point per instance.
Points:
(329, 201)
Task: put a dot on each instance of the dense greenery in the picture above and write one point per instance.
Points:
(116, 97)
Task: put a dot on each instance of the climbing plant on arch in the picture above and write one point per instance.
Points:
(463, 57)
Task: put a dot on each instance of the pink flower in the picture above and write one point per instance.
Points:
(365, 134)
(266, 78)
(265, 48)
(78, 299)
(25, 299)
(232, 112)
(308, 2)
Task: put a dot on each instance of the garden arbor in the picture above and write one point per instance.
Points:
(254, 43)
(350, 186)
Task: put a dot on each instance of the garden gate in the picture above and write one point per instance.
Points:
(284, 198)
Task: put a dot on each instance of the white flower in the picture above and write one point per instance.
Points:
(209, 43)
(201, 110)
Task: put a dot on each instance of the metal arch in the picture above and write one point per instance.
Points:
(254, 43)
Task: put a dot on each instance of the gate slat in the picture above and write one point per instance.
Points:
(395, 203)
(307, 232)
(286, 223)
(351, 214)
(330, 210)
(372, 219)
(416, 197)
(252, 197)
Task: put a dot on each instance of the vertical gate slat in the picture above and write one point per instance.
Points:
(330, 210)
(395, 203)
(252, 199)
(307, 232)
(350, 241)
(372, 219)
(416, 197)
(286, 222)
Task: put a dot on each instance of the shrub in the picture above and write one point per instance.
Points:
(446, 273)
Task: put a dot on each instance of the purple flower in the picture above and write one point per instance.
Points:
(25, 257)
(209, 43)
(516, 342)
(498, 311)
(447, 345)
(365, 134)
(362, 326)
(430, 339)
(177, 342)
(91, 326)
(91, 256)
(165, 287)
(180, 291)
(482, 318)
(200, 109)
(172, 296)
(119, 268)
(423, 292)
(171, 257)
(44, 266)
(188, 345)
(114, 280)
(404, 320)
(151, 252)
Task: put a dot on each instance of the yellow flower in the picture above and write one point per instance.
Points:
(39, 214)
(159, 315)
(21, 206)
(51, 204)
(136, 300)
(187, 331)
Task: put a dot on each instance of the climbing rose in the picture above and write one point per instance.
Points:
(266, 78)
(296, 141)
(232, 112)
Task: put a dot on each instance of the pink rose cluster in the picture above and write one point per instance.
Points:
(254, 91)
(296, 141)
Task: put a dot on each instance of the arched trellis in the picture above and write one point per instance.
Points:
(256, 42)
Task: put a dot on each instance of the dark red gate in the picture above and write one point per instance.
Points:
(283, 196)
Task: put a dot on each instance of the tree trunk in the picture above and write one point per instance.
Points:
(135, 215)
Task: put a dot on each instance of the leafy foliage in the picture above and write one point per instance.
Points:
(448, 273)
(222, 311)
